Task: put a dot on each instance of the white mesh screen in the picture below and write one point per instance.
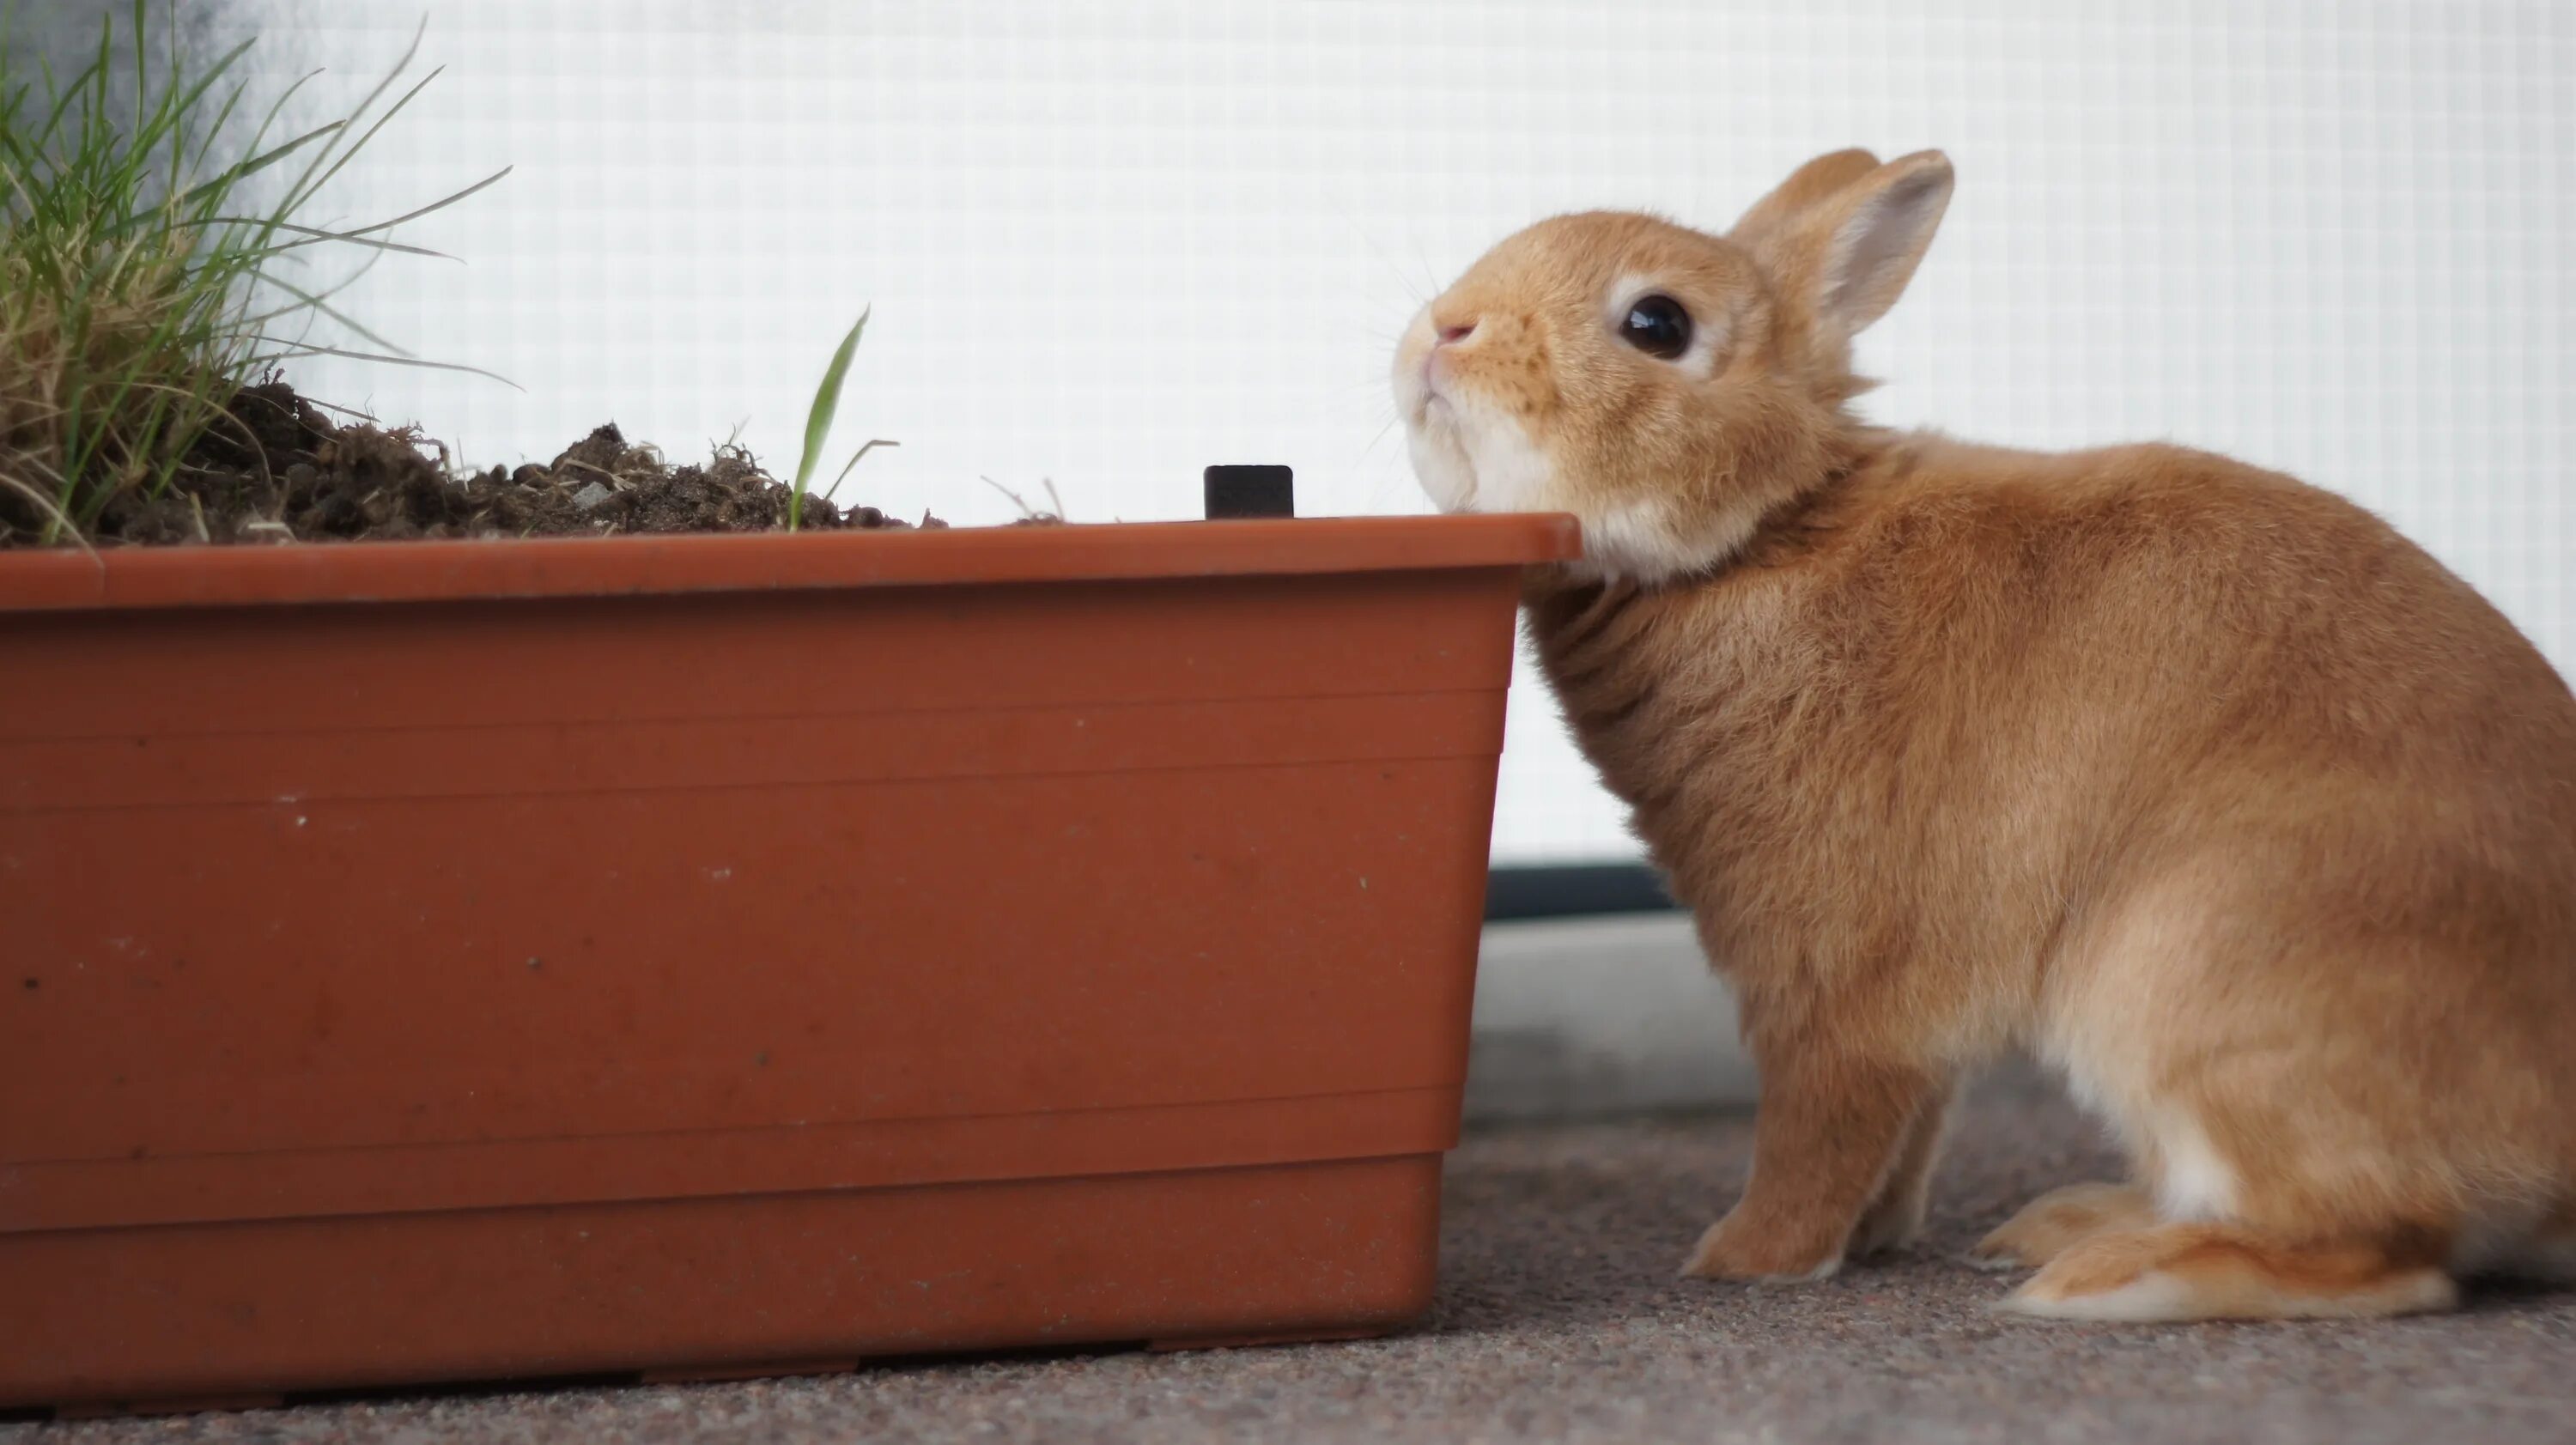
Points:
(1110, 244)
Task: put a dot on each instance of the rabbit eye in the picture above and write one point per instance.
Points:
(1658, 326)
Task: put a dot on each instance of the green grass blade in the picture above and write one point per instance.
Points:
(315, 235)
(57, 521)
(289, 353)
(380, 123)
(818, 421)
(234, 175)
(834, 490)
(304, 186)
(317, 303)
(333, 157)
(442, 203)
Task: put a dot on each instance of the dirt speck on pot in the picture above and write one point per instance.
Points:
(282, 470)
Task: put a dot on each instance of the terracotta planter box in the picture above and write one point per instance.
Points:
(440, 961)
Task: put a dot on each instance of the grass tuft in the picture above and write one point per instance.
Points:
(143, 280)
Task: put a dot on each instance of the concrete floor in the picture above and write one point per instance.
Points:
(1601, 1018)
(1559, 1319)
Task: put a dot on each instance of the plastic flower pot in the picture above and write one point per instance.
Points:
(706, 955)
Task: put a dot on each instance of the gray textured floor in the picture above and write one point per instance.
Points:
(1559, 1321)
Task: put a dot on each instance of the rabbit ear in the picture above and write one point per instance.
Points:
(1849, 255)
(1882, 228)
(1808, 186)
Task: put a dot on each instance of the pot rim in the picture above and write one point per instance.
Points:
(143, 578)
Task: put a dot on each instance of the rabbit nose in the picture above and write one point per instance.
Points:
(1450, 335)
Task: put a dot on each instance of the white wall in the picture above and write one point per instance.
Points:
(1109, 244)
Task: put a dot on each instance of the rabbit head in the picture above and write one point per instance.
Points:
(1666, 386)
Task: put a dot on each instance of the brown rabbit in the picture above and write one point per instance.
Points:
(2197, 782)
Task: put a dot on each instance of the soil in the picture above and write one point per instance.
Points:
(286, 472)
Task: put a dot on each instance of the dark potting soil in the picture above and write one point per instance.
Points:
(286, 472)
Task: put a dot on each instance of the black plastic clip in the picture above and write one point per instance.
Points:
(1250, 491)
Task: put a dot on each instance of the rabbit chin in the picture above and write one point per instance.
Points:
(1471, 460)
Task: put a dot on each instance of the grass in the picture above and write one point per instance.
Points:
(818, 426)
(143, 277)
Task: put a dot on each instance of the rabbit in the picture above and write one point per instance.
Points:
(2197, 783)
